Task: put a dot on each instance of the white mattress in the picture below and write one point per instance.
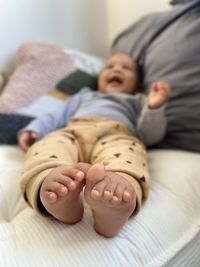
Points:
(165, 233)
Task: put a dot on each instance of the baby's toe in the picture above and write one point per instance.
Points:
(58, 188)
(68, 182)
(118, 194)
(74, 174)
(50, 197)
(109, 190)
(98, 190)
(107, 195)
(128, 194)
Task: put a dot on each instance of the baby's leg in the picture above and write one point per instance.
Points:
(60, 192)
(112, 199)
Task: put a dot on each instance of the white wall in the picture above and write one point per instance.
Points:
(83, 24)
(87, 25)
(122, 13)
(71, 23)
(22, 20)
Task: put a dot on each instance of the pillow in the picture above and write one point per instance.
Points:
(76, 81)
(39, 68)
(86, 62)
(10, 124)
(30, 91)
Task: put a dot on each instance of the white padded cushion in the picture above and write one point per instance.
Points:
(165, 233)
(86, 62)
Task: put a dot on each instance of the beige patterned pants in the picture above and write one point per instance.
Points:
(92, 140)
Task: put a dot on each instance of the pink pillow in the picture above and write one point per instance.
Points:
(40, 66)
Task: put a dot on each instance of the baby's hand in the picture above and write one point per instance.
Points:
(26, 139)
(159, 94)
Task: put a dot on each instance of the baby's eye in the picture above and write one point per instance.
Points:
(127, 67)
(109, 66)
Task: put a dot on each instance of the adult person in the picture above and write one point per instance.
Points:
(166, 45)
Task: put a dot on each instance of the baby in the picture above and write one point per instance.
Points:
(95, 145)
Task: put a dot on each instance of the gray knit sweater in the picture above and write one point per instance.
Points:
(132, 110)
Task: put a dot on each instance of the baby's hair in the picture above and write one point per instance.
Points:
(136, 64)
(125, 53)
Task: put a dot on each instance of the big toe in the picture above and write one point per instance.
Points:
(96, 173)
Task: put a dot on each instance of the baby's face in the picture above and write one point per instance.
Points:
(119, 75)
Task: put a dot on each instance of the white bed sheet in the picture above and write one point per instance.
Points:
(165, 233)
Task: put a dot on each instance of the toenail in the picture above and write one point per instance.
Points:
(71, 183)
(51, 195)
(115, 198)
(96, 192)
(107, 192)
(63, 190)
(126, 193)
(80, 173)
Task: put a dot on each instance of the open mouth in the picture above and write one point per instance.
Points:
(115, 80)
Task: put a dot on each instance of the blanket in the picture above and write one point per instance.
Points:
(10, 124)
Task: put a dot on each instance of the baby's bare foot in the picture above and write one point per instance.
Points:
(111, 198)
(60, 192)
